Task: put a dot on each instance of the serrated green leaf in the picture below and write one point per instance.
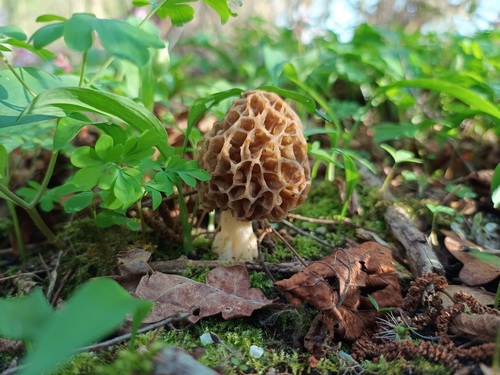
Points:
(78, 31)
(50, 18)
(78, 202)
(465, 95)
(221, 8)
(22, 318)
(59, 102)
(13, 32)
(178, 12)
(98, 307)
(47, 34)
(4, 49)
(127, 41)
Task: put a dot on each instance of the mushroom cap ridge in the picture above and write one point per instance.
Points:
(257, 159)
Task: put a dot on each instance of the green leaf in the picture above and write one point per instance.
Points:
(14, 98)
(201, 106)
(13, 32)
(439, 209)
(87, 178)
(495, 187)
(66, 129)
(384, 132)
(127, 41)
(141, 3)
(85, 156)
(156, 197)
(50, 18)
(23, 317)
(60, 102)
(401, 156)
(465, 95)
(4, 162)
(42, 53)
(307, 101)
(177, 10)
(78, 202)
(94, 311)
(127, 187)
(47, 34)
(78, 31)
(103, 146)
(106, 219)
(221, 8)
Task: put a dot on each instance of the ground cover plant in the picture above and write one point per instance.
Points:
(389, 266)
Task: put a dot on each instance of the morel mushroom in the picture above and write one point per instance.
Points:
(257, 159)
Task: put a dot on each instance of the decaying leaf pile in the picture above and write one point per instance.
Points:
(338, 286)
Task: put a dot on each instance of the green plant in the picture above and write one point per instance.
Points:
(399, 156)
(95, 310)
(119, 162)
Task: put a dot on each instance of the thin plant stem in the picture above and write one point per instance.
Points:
(46, 180)
(144, 227)
(47, 232)
(106, 65)
(19, 78)
(187, 240)
(21, 248)
(388, 179)
(82, 72)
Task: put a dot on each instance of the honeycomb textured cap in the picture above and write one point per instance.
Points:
(257, 159)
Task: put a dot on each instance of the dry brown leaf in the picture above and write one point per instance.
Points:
(338, 285)
(227, 291)
(475, 271)
(477, 327)
(133, 262)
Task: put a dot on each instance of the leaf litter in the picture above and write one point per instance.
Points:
(227, 291)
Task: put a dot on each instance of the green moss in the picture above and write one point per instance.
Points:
(262, 281)
(116, 360)
(93, 250)
(417, 366)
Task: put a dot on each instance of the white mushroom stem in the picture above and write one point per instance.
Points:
(236, 240)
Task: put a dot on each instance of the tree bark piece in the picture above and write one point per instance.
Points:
(420, 255)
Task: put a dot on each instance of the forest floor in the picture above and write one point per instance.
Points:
(406, 283)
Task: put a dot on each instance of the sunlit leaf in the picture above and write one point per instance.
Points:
(465, 95)
(60, 102)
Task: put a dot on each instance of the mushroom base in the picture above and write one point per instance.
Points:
(236, 240)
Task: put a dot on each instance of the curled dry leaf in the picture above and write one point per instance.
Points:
(477, 327)
(475, 271)
(227, 291)
(338, 285)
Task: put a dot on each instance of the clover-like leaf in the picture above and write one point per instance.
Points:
(119, 38)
